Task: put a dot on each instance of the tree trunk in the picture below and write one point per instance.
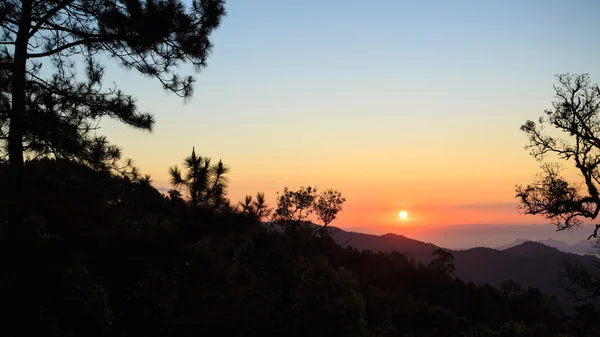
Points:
(17, 112)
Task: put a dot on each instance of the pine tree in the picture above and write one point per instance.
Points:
(56, 115)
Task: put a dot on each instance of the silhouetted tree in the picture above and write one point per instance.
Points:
(257, 208)
(48, 108)
(206, 184)
(442, 261)
(294, 208)
(510, 288)
(576, 114)
(581, 281)
(297, 205)
(327, 205)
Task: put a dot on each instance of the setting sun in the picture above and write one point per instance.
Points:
(403, 215)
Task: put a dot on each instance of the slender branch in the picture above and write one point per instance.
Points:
(48, 15)
(67, 46)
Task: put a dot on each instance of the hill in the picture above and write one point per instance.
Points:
(512, 244)
(420, 251)
(531, 264)
(581, 247)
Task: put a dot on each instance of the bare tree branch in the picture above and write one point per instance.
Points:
(577, 114)
(44, 19)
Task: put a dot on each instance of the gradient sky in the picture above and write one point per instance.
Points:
(400, 105)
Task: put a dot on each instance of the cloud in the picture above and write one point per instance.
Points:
(499, 206)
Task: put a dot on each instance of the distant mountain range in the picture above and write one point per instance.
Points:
(532, 264)
(581, 247)
(464, 236)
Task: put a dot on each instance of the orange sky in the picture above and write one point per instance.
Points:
(422, 115)
(460, 193)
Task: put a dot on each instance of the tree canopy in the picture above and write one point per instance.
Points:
(115, 256)
(574, 137)
(576, 118)
(52, 95)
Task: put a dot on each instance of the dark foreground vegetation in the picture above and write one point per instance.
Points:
(114, 257)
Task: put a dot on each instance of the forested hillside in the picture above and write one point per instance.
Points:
(113, 256)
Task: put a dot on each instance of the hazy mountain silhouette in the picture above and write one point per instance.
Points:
(512, 244)
(532, 264)
(560, 245)
(465, 236)
(581, 247)
(420, 251)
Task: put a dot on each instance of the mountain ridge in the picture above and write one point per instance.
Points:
(581, 247)
(529, 263)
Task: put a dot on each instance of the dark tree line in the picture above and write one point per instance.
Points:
(114, 256)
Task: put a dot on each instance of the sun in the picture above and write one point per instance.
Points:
(403, 215)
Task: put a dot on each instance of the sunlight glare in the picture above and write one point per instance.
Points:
(403, 215)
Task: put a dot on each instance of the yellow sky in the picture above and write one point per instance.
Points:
(420, 114)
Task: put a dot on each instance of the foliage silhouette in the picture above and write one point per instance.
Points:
(575, 113)
(114, 257)
(57, 115)
(442, 261)
(205, 184)
(256, 208)
(294, 208)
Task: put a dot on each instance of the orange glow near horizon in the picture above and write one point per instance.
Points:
(466, 198)
(451, 177)
(419, 129)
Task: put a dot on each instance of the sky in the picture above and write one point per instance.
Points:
(400, 105)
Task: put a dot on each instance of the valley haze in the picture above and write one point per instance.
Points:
(467, 236)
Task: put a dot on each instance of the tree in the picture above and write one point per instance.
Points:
(294, 208)
(442, 261)
(327, 205)
(576, 114)
(510, 288)
(206, 184)
(582, 282)
(57, 115)
(256, 208)
(295, 205)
